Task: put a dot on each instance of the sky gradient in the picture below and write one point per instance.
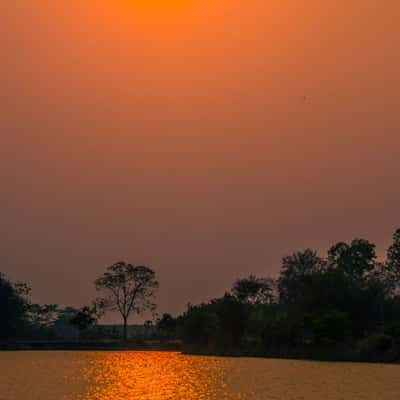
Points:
(204, 138)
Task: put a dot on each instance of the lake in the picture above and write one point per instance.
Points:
(50, 375)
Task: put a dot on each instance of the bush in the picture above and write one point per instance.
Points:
(378, 348)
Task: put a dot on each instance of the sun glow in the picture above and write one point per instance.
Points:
(157, 6)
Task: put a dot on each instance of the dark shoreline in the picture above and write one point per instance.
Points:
(295, 355)
(87, 346)
(343, 353)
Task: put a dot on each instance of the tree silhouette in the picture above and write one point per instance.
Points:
(356, 259)
(393, 255)
(167, 326)
(296, 268)
(13, 306)
(128, 289)
(253, 290)
(84, 318)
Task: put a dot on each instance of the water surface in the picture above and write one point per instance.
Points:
(172, 376)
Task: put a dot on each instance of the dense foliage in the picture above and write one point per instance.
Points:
(342, 306)
(345, 305)
(13, 307)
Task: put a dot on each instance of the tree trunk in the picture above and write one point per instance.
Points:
(125, 337)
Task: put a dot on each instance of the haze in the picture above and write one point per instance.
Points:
(204, 138)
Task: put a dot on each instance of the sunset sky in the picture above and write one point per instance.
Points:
(204, 138)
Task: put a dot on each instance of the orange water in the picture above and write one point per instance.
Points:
(172, 376)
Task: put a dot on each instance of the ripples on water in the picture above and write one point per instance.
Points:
(172, 376)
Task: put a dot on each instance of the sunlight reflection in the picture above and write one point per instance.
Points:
(154, 376)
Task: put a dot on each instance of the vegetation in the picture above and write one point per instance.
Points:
(342, 306)
(13, 307)
(85, 318)
(128, 290)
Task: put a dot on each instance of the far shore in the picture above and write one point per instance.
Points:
(90, 345)
(177, 346)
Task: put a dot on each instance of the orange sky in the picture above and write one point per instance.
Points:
(206, 138)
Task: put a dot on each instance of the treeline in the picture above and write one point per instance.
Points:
(20, 319)
(344, 306)
(125, 289)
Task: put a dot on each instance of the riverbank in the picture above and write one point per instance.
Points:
(91, 345)
(369, 351)
(338, 353)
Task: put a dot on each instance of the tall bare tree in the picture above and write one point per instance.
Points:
(128, 289)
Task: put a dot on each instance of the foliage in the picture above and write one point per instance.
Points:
(128, 289)
(393, 259)
(345, 305)
(378, 347)
(43, 316)
(166, 326)
(84, 318)
(295, 270)
(254, 290)
(13, 306)
(198, 325)
(346, 300)
(355, 259)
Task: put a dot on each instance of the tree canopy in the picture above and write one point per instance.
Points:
(128, 290)
(393, 255)
(13, 306)
(253, 290)
(346, 300)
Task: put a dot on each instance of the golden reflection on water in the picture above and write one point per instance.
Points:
(154, 376)
(48, 375)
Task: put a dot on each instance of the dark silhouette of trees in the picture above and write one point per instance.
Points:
(342, 306)
(253, 290)
(166, 326)
(356, 259)
(50, 321)
(84, 318)
(219, 324)
(296, 270)
(13, 306)
(393, 257)
(232, 318)
(43, 316)
(128, 290)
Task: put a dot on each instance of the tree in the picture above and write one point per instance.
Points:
(13, 306)
(356, 259)
(393, 255)
(129, 290)
(218, 325)
(43, 316)
(84, 318)
(296, 268)
(253, 290)
(232, 320)
(167, 326)
(199, 326)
